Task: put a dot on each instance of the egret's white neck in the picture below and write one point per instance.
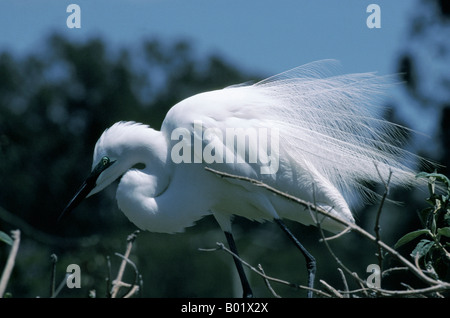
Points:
(138, 188)
(145, 161)
(144, 195)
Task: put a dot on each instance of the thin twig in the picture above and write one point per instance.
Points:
(257, 183)
(361, 284)
(10, 262)
(338, 235)
(61, 285)
(133, 290)
(331, 289)
(344, 280)
(120, 283)
(388, 271)
(221, 246)
(117, 282)
(436, 284)
(336, 258)
(380, 208)
(266, 281)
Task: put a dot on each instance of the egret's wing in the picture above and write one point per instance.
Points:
(328, 124)
(216, 139)
(334, 122)
(247, 156)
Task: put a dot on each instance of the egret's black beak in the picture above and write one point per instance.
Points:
(87, 186)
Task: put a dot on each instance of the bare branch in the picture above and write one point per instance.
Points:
(338, 235)
(330, 288)
(118, 283)
(10, 262)
(266, 281)
(344, 280)
(221, 246)
(436, 284)
(380, 208)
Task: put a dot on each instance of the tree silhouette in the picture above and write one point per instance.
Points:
(53, 107)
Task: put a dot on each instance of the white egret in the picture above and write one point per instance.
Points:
(311, 134)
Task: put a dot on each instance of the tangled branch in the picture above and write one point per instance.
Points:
(435, 285)
(118, 283)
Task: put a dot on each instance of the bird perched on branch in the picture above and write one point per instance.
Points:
(306, 132)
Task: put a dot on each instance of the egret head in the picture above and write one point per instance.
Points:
(110, 160)
(121, 147)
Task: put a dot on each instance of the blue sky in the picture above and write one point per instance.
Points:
(260, 36)
(267, 36)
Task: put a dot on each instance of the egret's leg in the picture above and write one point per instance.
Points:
(245, 285)
(310, 261)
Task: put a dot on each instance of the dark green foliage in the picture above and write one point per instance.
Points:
(433, 249)
(5, 238)
(54, 104)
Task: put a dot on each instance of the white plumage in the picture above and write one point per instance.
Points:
(331, 139)
(321, 134)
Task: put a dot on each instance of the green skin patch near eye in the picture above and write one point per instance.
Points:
(101, 166)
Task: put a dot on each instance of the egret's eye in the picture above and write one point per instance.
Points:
(105, 161)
